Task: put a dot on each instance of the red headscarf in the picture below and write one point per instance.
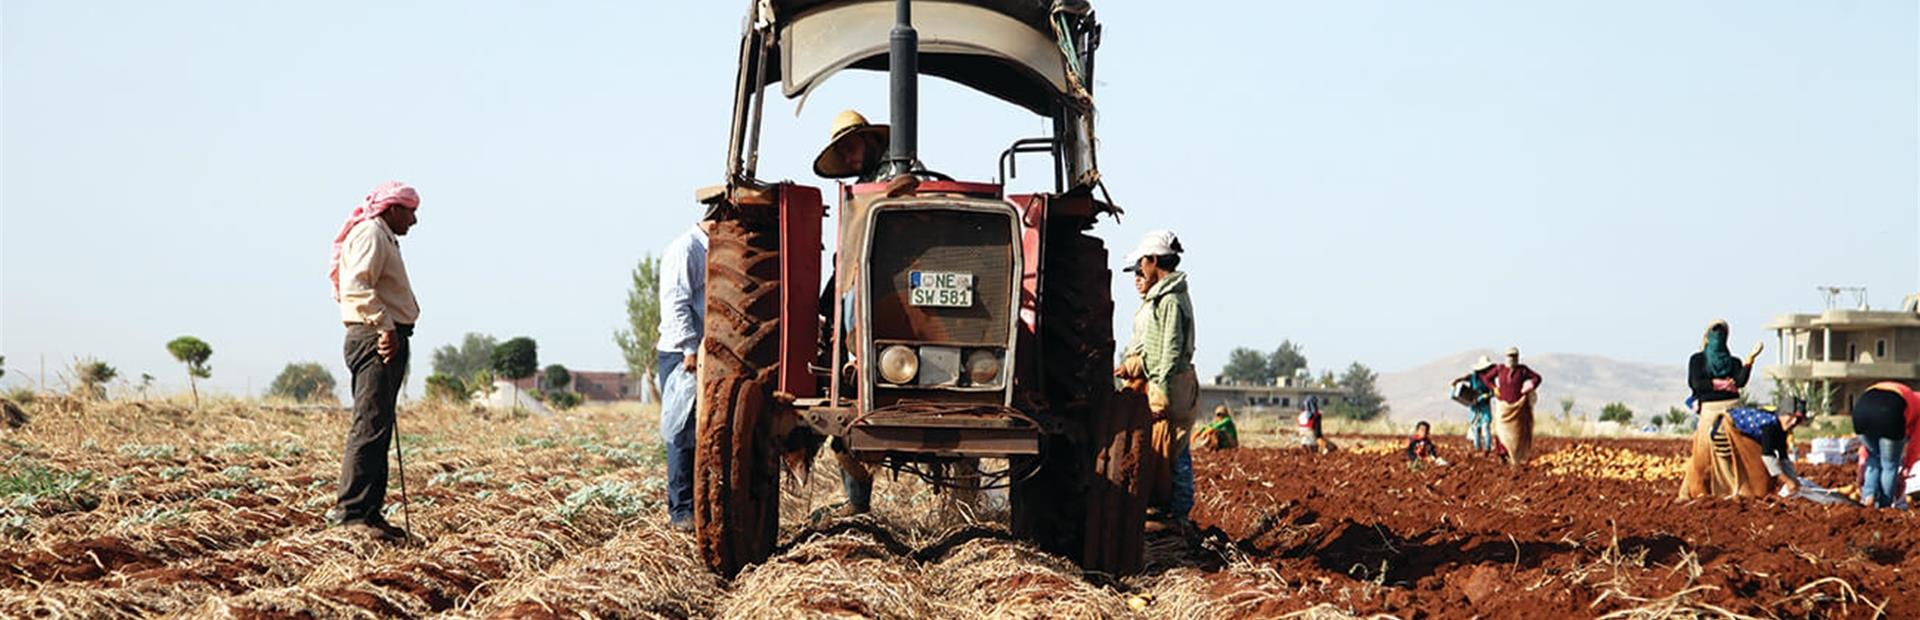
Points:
(387, 194)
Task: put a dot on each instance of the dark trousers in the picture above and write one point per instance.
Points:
(673, 375)
(376, 389)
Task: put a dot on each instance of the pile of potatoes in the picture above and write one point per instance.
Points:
(1592, 461)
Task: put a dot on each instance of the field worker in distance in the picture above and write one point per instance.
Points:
(1885, 416)
(1312, 434)
(683, 322)
(1772, 434)
(1514, 392)
(1421, 449)
(1219, 434)
(1162, 353)
(1724, 462)
(855, 150)
(1474, 392)
(376, 302)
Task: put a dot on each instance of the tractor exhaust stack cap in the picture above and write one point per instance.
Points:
(903, 72)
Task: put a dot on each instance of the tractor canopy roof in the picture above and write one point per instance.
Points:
(1022, 51)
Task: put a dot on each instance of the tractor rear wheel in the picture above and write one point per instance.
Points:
(736, 489)
(1086, 501)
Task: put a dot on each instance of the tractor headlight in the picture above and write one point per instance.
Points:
(899, 364)
(983, 367)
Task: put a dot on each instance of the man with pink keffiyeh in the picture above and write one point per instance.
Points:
(376, 303)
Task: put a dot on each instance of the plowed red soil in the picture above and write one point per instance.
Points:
(1480, 538)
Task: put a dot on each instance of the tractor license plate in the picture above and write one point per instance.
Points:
(940, 289)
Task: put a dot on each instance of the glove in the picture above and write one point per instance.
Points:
(1157, 401)
(1132, 367)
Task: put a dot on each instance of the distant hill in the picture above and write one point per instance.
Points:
(1593, 381)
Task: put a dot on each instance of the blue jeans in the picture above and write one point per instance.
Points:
(1182, 482)
(1480, 429)
(678, 389)
(1881, 477)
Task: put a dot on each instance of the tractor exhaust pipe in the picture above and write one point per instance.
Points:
(903, 71)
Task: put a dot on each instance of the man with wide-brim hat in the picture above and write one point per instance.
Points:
(1478, 397)
(855, 151)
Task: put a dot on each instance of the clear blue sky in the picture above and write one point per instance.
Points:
(1388, 182)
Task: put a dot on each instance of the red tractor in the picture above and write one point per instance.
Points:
(961, 323)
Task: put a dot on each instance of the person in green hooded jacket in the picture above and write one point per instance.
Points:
(1161, 356)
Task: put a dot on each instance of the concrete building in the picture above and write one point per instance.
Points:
(1283, 397)
(594, 386)
(1834, 355)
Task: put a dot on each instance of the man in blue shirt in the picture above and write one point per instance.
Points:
(683, 315)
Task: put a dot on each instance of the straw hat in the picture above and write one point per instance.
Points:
(850, 125)
(1482, 364)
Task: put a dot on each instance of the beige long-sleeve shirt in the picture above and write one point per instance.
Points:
(374, 289)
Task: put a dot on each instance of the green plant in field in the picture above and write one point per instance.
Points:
(173, 473)
(538, 443)
(25, 482)
(150, 452)
(223, 494)
(455, 478)
(154, 515)
(238, 447)
(193, 352)
(285, 449)
(617, 496)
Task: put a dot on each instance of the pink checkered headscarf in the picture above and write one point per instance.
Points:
(387, 194)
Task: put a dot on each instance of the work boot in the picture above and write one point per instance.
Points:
(378, 531)
(681, 524)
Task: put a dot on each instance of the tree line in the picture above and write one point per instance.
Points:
(1360, 396)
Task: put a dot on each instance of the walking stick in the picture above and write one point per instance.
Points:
(406, 505)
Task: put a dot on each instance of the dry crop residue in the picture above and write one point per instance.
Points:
(151, 509)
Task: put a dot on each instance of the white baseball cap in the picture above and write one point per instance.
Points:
(1154, 243)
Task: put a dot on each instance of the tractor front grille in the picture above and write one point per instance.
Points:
(936, 240)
